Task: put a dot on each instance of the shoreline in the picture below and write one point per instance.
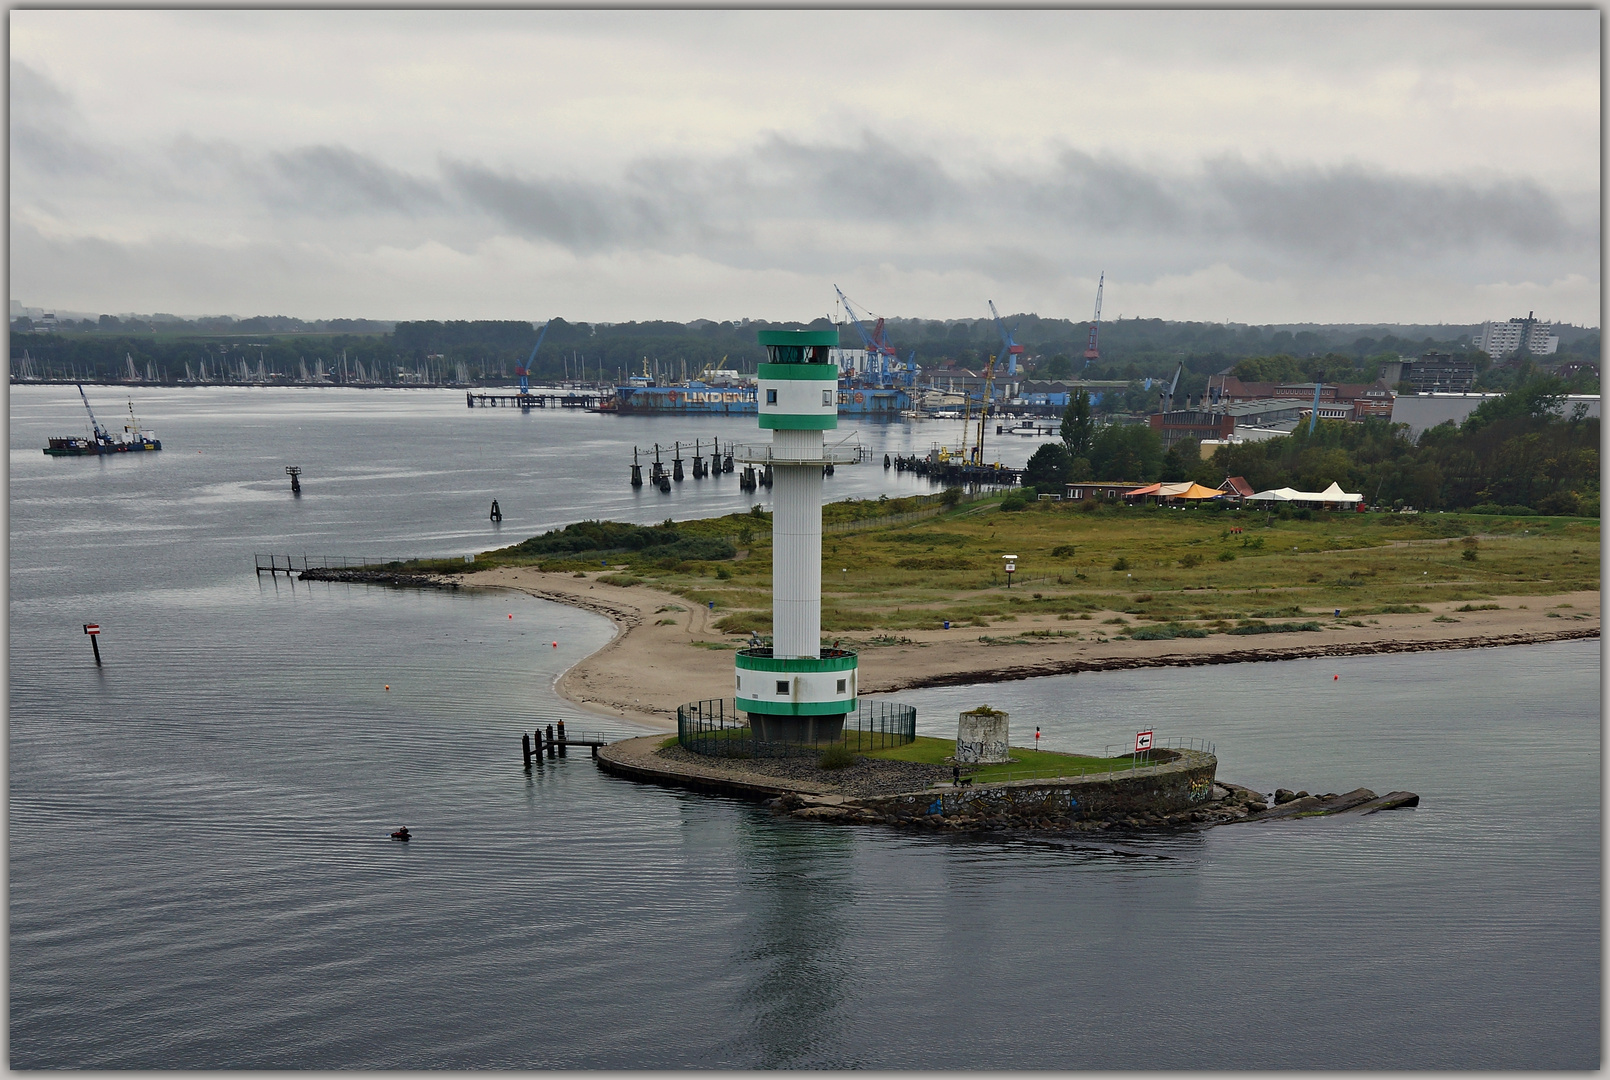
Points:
(665, 652)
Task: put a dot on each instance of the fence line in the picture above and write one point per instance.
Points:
(716, 727)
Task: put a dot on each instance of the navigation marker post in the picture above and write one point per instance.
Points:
(94, 631)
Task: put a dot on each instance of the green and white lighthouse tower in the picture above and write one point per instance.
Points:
(797, 691)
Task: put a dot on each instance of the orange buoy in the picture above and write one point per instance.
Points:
(388, 686)
(1335, 677)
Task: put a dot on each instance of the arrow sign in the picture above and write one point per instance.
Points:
(92, 628)
(1143, 740)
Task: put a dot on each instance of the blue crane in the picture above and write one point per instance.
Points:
(1009, 348)
(876, 343)
(523, 370)
(101, 434)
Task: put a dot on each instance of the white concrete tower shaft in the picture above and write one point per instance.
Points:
(796, 557)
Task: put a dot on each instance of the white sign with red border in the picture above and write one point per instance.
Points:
(92, 628)
(1143, 740)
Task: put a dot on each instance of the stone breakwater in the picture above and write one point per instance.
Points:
(1012, 673)
(378, 577)
(1180, 793)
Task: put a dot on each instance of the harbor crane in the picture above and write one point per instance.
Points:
(1010, 349)
(875, 341)
(101, 434)
(1091, 352)
(523, 370)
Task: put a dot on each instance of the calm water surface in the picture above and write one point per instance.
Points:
(200, 875)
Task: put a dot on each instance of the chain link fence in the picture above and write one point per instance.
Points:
(716, 728)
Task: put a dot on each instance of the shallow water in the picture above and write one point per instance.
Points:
(200, 874)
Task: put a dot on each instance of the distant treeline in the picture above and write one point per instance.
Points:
(1132, 350)
(1523, 452)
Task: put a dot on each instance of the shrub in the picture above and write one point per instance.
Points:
(1062, 551)
(1013, 501)
(723, 574)
(1470, 555)
(1120, 563)
(951, 496)
(625, 581)
(1227, 556)
(1272, 628)
(1190, 560)
(837, 756)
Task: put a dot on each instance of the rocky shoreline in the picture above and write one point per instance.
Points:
(369, 576)
(1238, 656)
(1231, 803)
(1178, 795)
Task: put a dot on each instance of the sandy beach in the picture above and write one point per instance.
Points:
(666, 651)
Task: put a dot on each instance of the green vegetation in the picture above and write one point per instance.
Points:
(1025, 764)
(837, 756)
(916, 574)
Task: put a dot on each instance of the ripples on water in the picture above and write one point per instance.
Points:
(200, 874)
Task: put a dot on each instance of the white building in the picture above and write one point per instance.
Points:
(1498, 340)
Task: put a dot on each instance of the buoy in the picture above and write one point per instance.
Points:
(388, 686)
(511, 614)
(556, 644)
(1335, 677)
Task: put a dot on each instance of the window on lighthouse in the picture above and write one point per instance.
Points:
(827, 397)
(782, 686)
(771, 397)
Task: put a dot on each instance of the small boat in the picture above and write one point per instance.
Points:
(401, 834)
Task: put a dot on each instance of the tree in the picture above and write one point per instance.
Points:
(1058, 367)
(1173, 466)
(1126, 452)
(1050, 466)
(1077, 429)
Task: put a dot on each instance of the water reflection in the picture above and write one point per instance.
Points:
(798, 938)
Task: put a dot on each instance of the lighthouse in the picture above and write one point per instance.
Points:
(796, 691)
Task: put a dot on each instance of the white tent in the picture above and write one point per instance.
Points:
(1332, 494)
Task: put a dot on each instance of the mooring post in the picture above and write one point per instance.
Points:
(552, 753)
(94, 631)
(595, 750)
(537, 744)
(561, 738)
(525, 749)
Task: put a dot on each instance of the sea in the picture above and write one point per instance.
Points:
(201, 875)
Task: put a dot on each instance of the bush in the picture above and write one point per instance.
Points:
(1012, 502)
(1272, 628)
(1120, 563)
(1062, 551)
(1559, 504)
(1227, 556)
(950, 496)
(1165, 633)
(1470, 555)
(1190, 560)
(837, 756)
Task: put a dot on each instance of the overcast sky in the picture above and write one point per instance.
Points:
(1254, 166)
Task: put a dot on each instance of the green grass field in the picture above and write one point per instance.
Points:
(1188, 570)
(1026, 764)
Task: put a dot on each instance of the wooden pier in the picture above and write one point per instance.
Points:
(533, 746)
(536, 399)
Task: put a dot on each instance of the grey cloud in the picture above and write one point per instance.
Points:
(1351, 212)
(875, 179)
(43, 120)
(1100, 194)
(583, 217)
(335, 179)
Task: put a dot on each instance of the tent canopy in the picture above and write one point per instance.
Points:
(1332, 494)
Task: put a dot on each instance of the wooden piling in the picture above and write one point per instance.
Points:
(525, 748)
(561, 738)
(552, 751)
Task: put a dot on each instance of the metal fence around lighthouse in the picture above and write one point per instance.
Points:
(715, 727)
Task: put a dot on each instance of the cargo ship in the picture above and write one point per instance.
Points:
(131, 439)
(642, 398)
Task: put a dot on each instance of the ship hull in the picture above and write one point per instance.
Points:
(860, 402)
(74, 447)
